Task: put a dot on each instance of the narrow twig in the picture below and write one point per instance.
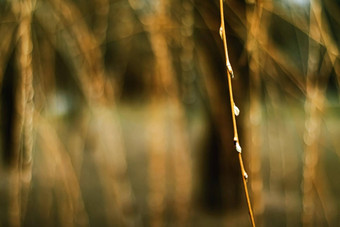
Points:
(235, 112)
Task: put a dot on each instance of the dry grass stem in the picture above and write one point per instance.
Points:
(112, 167)
(254, 17)
(314, 108)
(21, 166)
(71, 206)
(157, 165)
(179, 143)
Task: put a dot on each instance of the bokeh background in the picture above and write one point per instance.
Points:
(116, 112)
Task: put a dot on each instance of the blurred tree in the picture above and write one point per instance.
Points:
(115, 112)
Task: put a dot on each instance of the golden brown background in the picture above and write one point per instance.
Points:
(116, 113)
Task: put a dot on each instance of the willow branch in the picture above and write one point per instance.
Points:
(235, 112)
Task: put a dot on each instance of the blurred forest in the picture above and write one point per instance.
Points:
(116, 112)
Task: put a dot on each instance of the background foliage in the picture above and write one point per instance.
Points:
(116, 112)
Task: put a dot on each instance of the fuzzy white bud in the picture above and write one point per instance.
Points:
(238, 147)
(245, 175)
(221, 32)
(236, 110)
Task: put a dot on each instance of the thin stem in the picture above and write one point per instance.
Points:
(232, 104)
